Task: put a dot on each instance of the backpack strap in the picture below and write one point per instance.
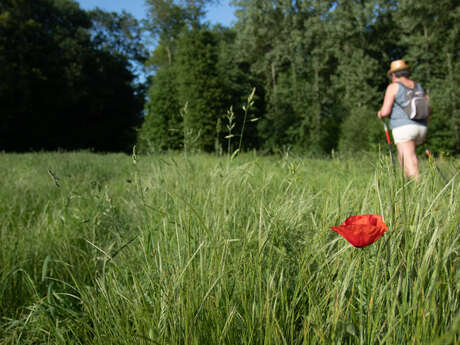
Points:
(404, 86)
(419, 87)
(402, 105)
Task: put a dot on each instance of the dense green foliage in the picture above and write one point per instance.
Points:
(195, 72)
(112, 249)
(319, 68)
(66, 77)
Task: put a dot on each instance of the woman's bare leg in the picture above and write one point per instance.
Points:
(407, 156)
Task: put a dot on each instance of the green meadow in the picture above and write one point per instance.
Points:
(200, 249)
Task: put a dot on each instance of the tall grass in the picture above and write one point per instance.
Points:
(107, 249)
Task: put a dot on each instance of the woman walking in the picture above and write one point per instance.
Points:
(407, 133)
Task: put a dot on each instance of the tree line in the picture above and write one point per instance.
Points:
(318, 68)
(67, 77)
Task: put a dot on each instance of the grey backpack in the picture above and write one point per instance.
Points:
(416, 106)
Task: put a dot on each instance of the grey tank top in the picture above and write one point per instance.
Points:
(398, 117)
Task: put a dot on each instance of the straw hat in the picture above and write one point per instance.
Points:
(397, 65)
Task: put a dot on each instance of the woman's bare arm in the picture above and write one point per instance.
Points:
(388, 101)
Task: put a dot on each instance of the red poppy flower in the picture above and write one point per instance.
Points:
(362, 230)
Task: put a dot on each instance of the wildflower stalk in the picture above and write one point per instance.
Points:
(189, 138)
(246, 108)
(230, 125)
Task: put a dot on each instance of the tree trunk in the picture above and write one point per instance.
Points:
(275, 97)
(426, 48)
(317, 115)
(453, 98)
(169, 55)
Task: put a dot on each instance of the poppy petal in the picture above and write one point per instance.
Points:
(362, 230)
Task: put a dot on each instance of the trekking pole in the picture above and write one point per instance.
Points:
(390, 148)
(430, 157)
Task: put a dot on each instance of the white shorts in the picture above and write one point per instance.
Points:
(416, 133)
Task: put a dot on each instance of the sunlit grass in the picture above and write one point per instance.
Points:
(209, 250)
